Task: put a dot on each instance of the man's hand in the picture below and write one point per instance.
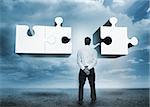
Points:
(86, 70)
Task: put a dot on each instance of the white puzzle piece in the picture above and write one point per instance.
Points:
(44, 39)
(117, 36)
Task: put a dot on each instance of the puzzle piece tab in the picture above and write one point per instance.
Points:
(44, 39)
(113, 40)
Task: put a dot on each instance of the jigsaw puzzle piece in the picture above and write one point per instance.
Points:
(118, 36)
(27, 41)
(58, 40)
(120, 41)
(44, 39)
(113, 40)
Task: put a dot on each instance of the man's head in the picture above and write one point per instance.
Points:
(87, 41)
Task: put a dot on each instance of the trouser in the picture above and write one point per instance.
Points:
(82, 79)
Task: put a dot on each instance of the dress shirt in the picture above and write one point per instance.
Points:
(86, 56)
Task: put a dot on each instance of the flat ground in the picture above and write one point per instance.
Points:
(68, 98)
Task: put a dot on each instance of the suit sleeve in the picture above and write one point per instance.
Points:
(94, 62)
(79, 61)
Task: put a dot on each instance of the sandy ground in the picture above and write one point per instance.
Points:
(68, 98)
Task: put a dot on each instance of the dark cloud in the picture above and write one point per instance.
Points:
(20, 11)
(107, 2)
(28, 71)
(7, 36)
(138, 10)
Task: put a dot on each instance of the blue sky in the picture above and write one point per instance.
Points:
(84, 17)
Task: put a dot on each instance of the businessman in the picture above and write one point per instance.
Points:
(87, 59)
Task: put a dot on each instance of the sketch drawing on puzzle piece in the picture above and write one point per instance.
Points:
(112, 40)
(44, 39)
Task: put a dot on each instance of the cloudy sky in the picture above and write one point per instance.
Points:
(84, 16)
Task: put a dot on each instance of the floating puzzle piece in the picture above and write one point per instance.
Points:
(44, 39)
(113, 41)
